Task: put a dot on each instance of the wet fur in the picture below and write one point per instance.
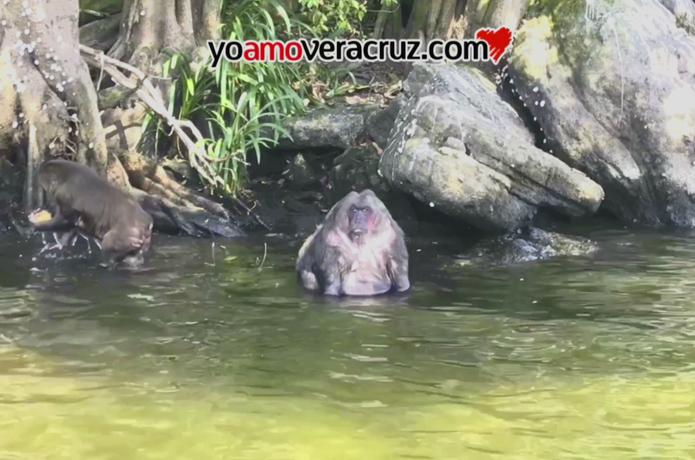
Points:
(331, 263)
(84, 201)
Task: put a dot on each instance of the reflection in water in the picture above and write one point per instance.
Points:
(203, 354)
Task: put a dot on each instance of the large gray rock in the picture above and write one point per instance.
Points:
(458, 147)
(380, 123)
(327, 128)
(613, 88)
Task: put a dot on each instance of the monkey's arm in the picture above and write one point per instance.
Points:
(331, 271)
(398, 267)
(305, 265)
(401, 282)
(318, 264)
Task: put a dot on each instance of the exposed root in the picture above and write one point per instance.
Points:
(32, 199)
(173, 207)
(51, 109)
(156, 180)
(172, 218)
(161, 177)
(186, 131)
(152, 178)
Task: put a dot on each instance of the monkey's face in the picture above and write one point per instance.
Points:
(360, 222)
(364, 216)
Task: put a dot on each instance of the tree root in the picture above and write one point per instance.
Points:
(152, 178)
(186, 131)
(173, 207)
(176, 202)
(171, 218)
(31, 196)
(52, 110)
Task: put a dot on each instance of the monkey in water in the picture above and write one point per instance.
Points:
(359, 250)
(84, 202)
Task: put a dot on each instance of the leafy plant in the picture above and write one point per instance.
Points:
(238, 106)
(334, 17)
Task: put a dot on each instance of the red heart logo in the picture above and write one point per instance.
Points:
(498, 41)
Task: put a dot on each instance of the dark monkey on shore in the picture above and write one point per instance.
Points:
(82, 201)
(358, 251)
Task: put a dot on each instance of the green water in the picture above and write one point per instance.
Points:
(217, 354)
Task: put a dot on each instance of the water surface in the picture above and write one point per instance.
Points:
(214, 352)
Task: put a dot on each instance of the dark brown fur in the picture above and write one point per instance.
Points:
(359, 250)
(84, 201)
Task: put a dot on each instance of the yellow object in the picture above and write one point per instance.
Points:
(40, 217)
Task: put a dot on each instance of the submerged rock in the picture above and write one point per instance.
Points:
(527, 245)
(456, 146)
(613, 89)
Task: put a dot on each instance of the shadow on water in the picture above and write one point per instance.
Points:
(213, 338)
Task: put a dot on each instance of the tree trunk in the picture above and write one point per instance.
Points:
(46, 89)
(495, 13)
(393, 27)
(381, 20)
(149, 31)
(417, 21)
(461, 18)
(428, 20)
(153, 25)
(447, 18)
(207, 18)
(150, 27)
(49, 105)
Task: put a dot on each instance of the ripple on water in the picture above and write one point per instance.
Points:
(202, 356)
